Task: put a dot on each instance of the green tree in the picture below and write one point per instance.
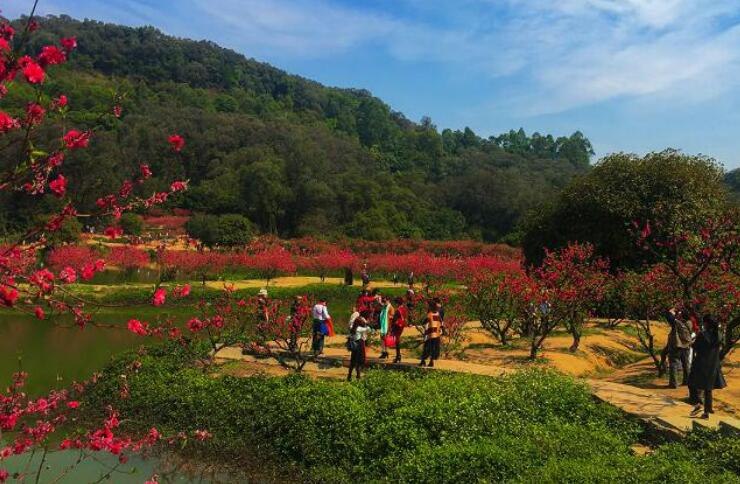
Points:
(600, 207)
(234, 230)
(131, 223)
(203, 227)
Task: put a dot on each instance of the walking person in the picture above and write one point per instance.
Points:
(365, 276)
(356, 344)
(432, 335)
(679, 344)
(320, 315)
(398, 323)
(386, 316)
(706, 372)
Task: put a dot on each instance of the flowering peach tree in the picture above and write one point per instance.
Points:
(702, 260)
(35, 168)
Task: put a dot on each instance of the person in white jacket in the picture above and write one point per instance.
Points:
(320, 315)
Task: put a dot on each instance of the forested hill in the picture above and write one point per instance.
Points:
(292, 155)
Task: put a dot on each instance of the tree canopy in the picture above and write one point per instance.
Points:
(293, 156)
(601, 207)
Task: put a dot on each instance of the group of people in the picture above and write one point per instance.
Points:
(695, 347)
(374, 311)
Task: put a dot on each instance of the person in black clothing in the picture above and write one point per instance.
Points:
(706, 372)
(356, 344)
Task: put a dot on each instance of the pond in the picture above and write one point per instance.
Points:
(56, 353)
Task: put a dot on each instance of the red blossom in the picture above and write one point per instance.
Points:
(69, 43)
(76, 139)
(59, 102)
(117, 110)
(33, 72)
(73, 404)
(176, 141)
(88, 271)
(38, 311)
(137, 327)
(34, 114)
(68, 275)
(58, 186)
(145, 172)
(178, 186)
(159, 296)
(51, 55)
(195, 325)
(113, 232)
(55, 160)
(7, 31)
(182, 291)
(7, 122)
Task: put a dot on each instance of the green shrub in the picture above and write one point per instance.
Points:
(532, 426)
(131, 223)
(228, 230)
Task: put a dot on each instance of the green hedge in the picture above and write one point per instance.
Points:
(410, 426)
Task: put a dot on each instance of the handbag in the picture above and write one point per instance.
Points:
(390, 340)
(351, 344)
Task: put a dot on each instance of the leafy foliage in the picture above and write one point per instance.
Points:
(293, 156)
(601, 207)
(408, 427)
(228, 230)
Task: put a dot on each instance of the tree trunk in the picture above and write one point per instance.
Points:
(576, 342)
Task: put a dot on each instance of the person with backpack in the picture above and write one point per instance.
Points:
(356, 344)
(706, 370)
(679, 345)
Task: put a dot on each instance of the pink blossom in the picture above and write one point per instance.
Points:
(159, 296)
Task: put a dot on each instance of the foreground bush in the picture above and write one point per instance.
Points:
(409, 427)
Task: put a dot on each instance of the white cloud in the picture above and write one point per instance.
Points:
(563, 53)
(298, 28)
(552, 55)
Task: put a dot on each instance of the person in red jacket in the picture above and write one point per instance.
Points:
(400, 319)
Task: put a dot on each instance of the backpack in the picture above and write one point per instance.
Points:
(683, 334)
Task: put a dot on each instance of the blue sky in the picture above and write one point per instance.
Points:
(633, 75)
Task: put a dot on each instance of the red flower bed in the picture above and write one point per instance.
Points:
(70, 255)
(127, 257)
